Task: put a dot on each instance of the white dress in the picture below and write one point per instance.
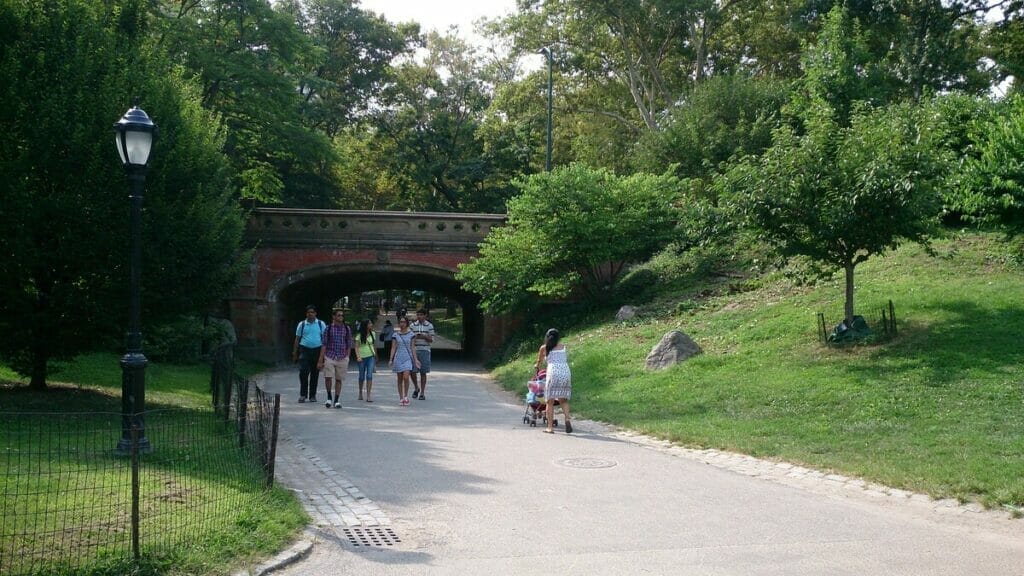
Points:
(559, 377)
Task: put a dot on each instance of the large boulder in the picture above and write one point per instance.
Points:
(673, 348)
(627, 312)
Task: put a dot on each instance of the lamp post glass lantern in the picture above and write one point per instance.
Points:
(134, 135)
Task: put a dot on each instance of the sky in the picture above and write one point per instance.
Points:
(440, 14)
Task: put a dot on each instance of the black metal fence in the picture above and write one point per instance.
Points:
(880, 318)
(70, 502)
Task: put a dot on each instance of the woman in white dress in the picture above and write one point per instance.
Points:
(559, 378)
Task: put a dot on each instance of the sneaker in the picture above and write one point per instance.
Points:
(327, 404)
(312, 398)
(337, 404)
(302, 399)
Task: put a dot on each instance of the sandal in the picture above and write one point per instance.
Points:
(548, 431)
(568, 428)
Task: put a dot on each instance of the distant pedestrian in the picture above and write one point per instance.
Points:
(558, 385)
(306, 351)
(403, 359)
(424, 337)
(368, 357)
(338, 344)
(386, 337)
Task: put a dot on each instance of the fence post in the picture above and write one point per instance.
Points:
(243, 411)
(135, 489)
(273, 440)
(892, 317)
(214, 378)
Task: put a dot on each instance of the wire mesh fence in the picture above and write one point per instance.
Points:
(71, 500)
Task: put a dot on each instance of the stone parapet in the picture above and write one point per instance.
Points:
(376, 230)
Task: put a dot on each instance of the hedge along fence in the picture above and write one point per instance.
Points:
(71, 503)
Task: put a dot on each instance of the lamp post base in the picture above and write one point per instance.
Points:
(133, 389)
(124, 447)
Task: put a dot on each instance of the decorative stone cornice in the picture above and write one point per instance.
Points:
(356, 229)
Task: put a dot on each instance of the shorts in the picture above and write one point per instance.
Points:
(335, 368)
(423, 355)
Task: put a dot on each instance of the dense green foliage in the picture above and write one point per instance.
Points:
(69, 69)
(570, 232)
(996, 169)
(841, 195)
(321, 103)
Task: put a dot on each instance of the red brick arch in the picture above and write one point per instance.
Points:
(314, 256)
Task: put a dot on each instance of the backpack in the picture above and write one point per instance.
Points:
(323, 329)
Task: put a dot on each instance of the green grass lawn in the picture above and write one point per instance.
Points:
(67, 495)
(450, 328)
(939, 410)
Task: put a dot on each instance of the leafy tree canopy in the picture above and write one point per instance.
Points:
(70, 70)
(994, 174)
(571, 231)
(840, 195)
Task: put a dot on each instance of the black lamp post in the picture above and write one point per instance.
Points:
(134, 138)
(547, 52)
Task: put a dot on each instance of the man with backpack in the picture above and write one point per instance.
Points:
(309, 338)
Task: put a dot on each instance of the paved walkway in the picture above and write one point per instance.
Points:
(457, 484)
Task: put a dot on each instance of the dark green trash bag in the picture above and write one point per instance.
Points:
(858, 331)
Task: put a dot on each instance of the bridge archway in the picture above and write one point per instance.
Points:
(302, 257)
(326, 284)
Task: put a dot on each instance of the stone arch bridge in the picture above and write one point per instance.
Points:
(317, 256)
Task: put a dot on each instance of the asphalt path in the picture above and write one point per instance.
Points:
(468, 488)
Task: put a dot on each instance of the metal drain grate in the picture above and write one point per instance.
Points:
(371, 536)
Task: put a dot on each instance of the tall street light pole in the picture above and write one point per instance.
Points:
(134, 138)
(547, 52)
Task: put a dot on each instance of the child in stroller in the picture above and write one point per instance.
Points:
(536, 405)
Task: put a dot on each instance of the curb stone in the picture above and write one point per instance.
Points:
(293, 554)
(805, 478)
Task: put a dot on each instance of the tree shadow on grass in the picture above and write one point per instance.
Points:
(972, 338)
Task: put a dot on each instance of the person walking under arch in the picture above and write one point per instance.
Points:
(559, 378)
(403, 360)
(305, 352)
(424, 337)
(385, 338)
(338, 344)
(365, 350)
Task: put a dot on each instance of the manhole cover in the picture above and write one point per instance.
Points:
(587, 463)
(371, 536)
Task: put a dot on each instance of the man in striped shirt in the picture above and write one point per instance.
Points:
(423, 336)
(338, 345)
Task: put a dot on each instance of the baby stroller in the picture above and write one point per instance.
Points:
(536, 404)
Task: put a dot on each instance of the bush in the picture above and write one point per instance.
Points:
(182, 341)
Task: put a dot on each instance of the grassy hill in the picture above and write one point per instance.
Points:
(939, 409)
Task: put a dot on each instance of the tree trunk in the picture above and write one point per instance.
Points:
(849, 294)
(40, 356)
